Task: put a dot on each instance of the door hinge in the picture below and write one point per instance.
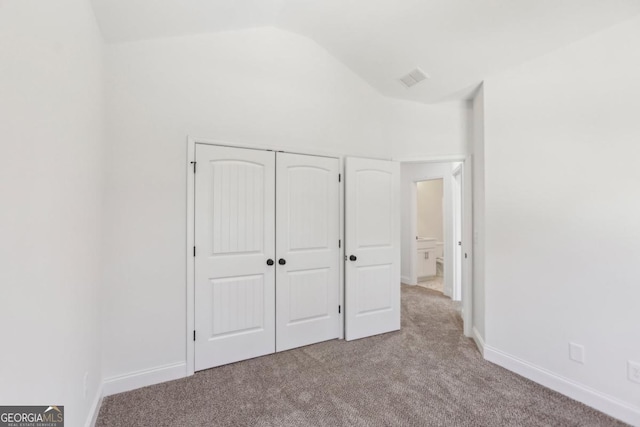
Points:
(194, 166)
(339, 177)
(194, 334)
(339, 309)
(194, 251)
(340, 243)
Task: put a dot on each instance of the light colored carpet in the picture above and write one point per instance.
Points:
(433, 283)
(427, 374)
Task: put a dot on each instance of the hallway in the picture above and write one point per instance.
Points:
(426, 374)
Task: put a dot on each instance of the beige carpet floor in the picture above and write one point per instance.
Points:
(427, 374)
(433, 283)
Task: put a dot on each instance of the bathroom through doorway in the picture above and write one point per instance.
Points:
(430, 216)
(436, 229)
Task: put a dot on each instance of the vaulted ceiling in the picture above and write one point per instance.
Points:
(457, 43)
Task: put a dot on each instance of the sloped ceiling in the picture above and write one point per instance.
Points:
(457, 42)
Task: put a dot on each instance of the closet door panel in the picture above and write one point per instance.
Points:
(234, 238)
(307, 224)
(372, 224)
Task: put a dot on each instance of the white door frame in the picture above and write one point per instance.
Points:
(467, 231)
(456, 187)
(190, 266)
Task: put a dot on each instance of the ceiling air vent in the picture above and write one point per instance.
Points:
(413, 78)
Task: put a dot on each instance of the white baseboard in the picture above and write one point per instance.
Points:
(602, 402)
(144, 378)
(479, 340)
(95, 408)
(407, 280)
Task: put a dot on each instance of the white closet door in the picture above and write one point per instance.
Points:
(372, 225)
(234, 238)
(307, 278)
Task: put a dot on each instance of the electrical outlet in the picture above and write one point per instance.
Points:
(633, 371)
(85, 381)
(576, 352)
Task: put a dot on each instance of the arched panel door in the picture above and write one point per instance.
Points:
(372, 225)
(234, 238)
(308, 231)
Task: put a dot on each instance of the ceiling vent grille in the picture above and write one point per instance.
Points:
(413, 78)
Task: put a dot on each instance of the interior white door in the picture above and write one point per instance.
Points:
(234, 238)
(308, 232)
(372, 225)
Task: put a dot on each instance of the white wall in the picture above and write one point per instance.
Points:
(410, 173)
(262, 86)
(430, 209)
(562, 189)
(50, 187)
(421, 130)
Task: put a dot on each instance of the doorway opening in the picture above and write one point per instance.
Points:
(436, 230)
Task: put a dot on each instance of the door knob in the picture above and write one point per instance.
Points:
(352, 258)
(269, 262)
(282, 261)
